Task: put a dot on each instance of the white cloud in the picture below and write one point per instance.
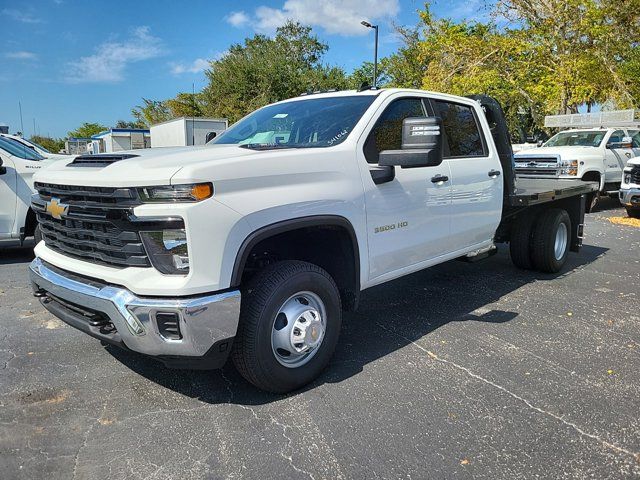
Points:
(197, 66)
(21, 16)
(237, 19)
(110, 59)
(21, 55)
(340, 17)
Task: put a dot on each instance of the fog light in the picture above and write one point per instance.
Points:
(168, 250)
(169, 325)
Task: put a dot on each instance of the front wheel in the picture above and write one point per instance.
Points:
(290, 321)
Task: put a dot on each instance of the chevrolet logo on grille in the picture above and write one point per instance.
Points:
(56, 209)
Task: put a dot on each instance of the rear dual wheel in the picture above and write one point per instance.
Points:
(541, 242)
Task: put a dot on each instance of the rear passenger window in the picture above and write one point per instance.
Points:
(635, 139)
(462, 132)
(387, 132)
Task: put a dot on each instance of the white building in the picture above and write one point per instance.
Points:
(119, 139)
(77, 146)
(183, 131)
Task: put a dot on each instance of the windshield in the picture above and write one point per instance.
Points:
(314, 122)
(581, 139)
(18, 149)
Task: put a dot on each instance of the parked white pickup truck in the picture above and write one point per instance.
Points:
(35, 147)
(592, 155)
(255, 243)
(18, 163)
(630, 188)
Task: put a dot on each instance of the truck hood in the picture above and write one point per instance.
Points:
(152, 166)
(565, 153)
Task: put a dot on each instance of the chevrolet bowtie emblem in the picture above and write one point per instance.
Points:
(56, 209)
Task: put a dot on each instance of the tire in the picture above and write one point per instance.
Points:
(255, 354)
(592, 202)
(633, 212)
(520, 242)
(37, 234)
(547, 234)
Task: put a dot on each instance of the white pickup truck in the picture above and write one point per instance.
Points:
(18, 163)
(255, 243)
(630, 188)
(592, 155)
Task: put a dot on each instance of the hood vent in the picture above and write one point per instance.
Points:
(99, 160)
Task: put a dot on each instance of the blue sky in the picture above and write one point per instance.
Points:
(70, 61)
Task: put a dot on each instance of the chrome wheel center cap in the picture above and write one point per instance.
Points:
(307, 331)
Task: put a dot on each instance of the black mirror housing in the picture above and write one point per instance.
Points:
(421, 144)
(210, 136)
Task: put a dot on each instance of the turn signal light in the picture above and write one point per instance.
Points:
(202, 191)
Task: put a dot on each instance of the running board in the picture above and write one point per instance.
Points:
(481, 254)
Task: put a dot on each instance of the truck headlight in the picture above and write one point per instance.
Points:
(168, 250)
(194, 192)
(569, 167)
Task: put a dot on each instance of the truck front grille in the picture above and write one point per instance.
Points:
(635, 175)
(542, 166)
(91, 224)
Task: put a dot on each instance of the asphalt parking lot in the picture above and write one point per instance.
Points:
(463, 370)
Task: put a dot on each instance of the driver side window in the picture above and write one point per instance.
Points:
(387, 132)
(616, 137)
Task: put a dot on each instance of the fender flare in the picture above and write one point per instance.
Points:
(602, 177)
(288, 225)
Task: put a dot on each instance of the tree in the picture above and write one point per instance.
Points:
(407, 67)
(151, 112)
(54, 145)
(87, 130)
(584, 47)
(130, 124)
(185, 105)
(363, 75)
(263, 70)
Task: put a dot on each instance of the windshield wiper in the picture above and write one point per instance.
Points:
(266, 146)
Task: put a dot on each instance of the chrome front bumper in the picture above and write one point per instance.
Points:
(630, 197)
(206, 322)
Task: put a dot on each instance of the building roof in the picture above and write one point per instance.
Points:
(193, 119)
(121, 130)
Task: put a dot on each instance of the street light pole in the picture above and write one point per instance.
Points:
(375, 54)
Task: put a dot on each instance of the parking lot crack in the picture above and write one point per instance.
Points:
(529, 404)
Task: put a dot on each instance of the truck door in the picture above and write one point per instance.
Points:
(616, 157)
(408, 215)
(476, 175)
(8, 195)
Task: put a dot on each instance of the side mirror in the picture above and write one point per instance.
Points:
(210, 136)
(3, 170)
(625, 143)
(539, 143)
(421, 144)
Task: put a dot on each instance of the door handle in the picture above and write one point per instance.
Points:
(494, 173)
(439, 178)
